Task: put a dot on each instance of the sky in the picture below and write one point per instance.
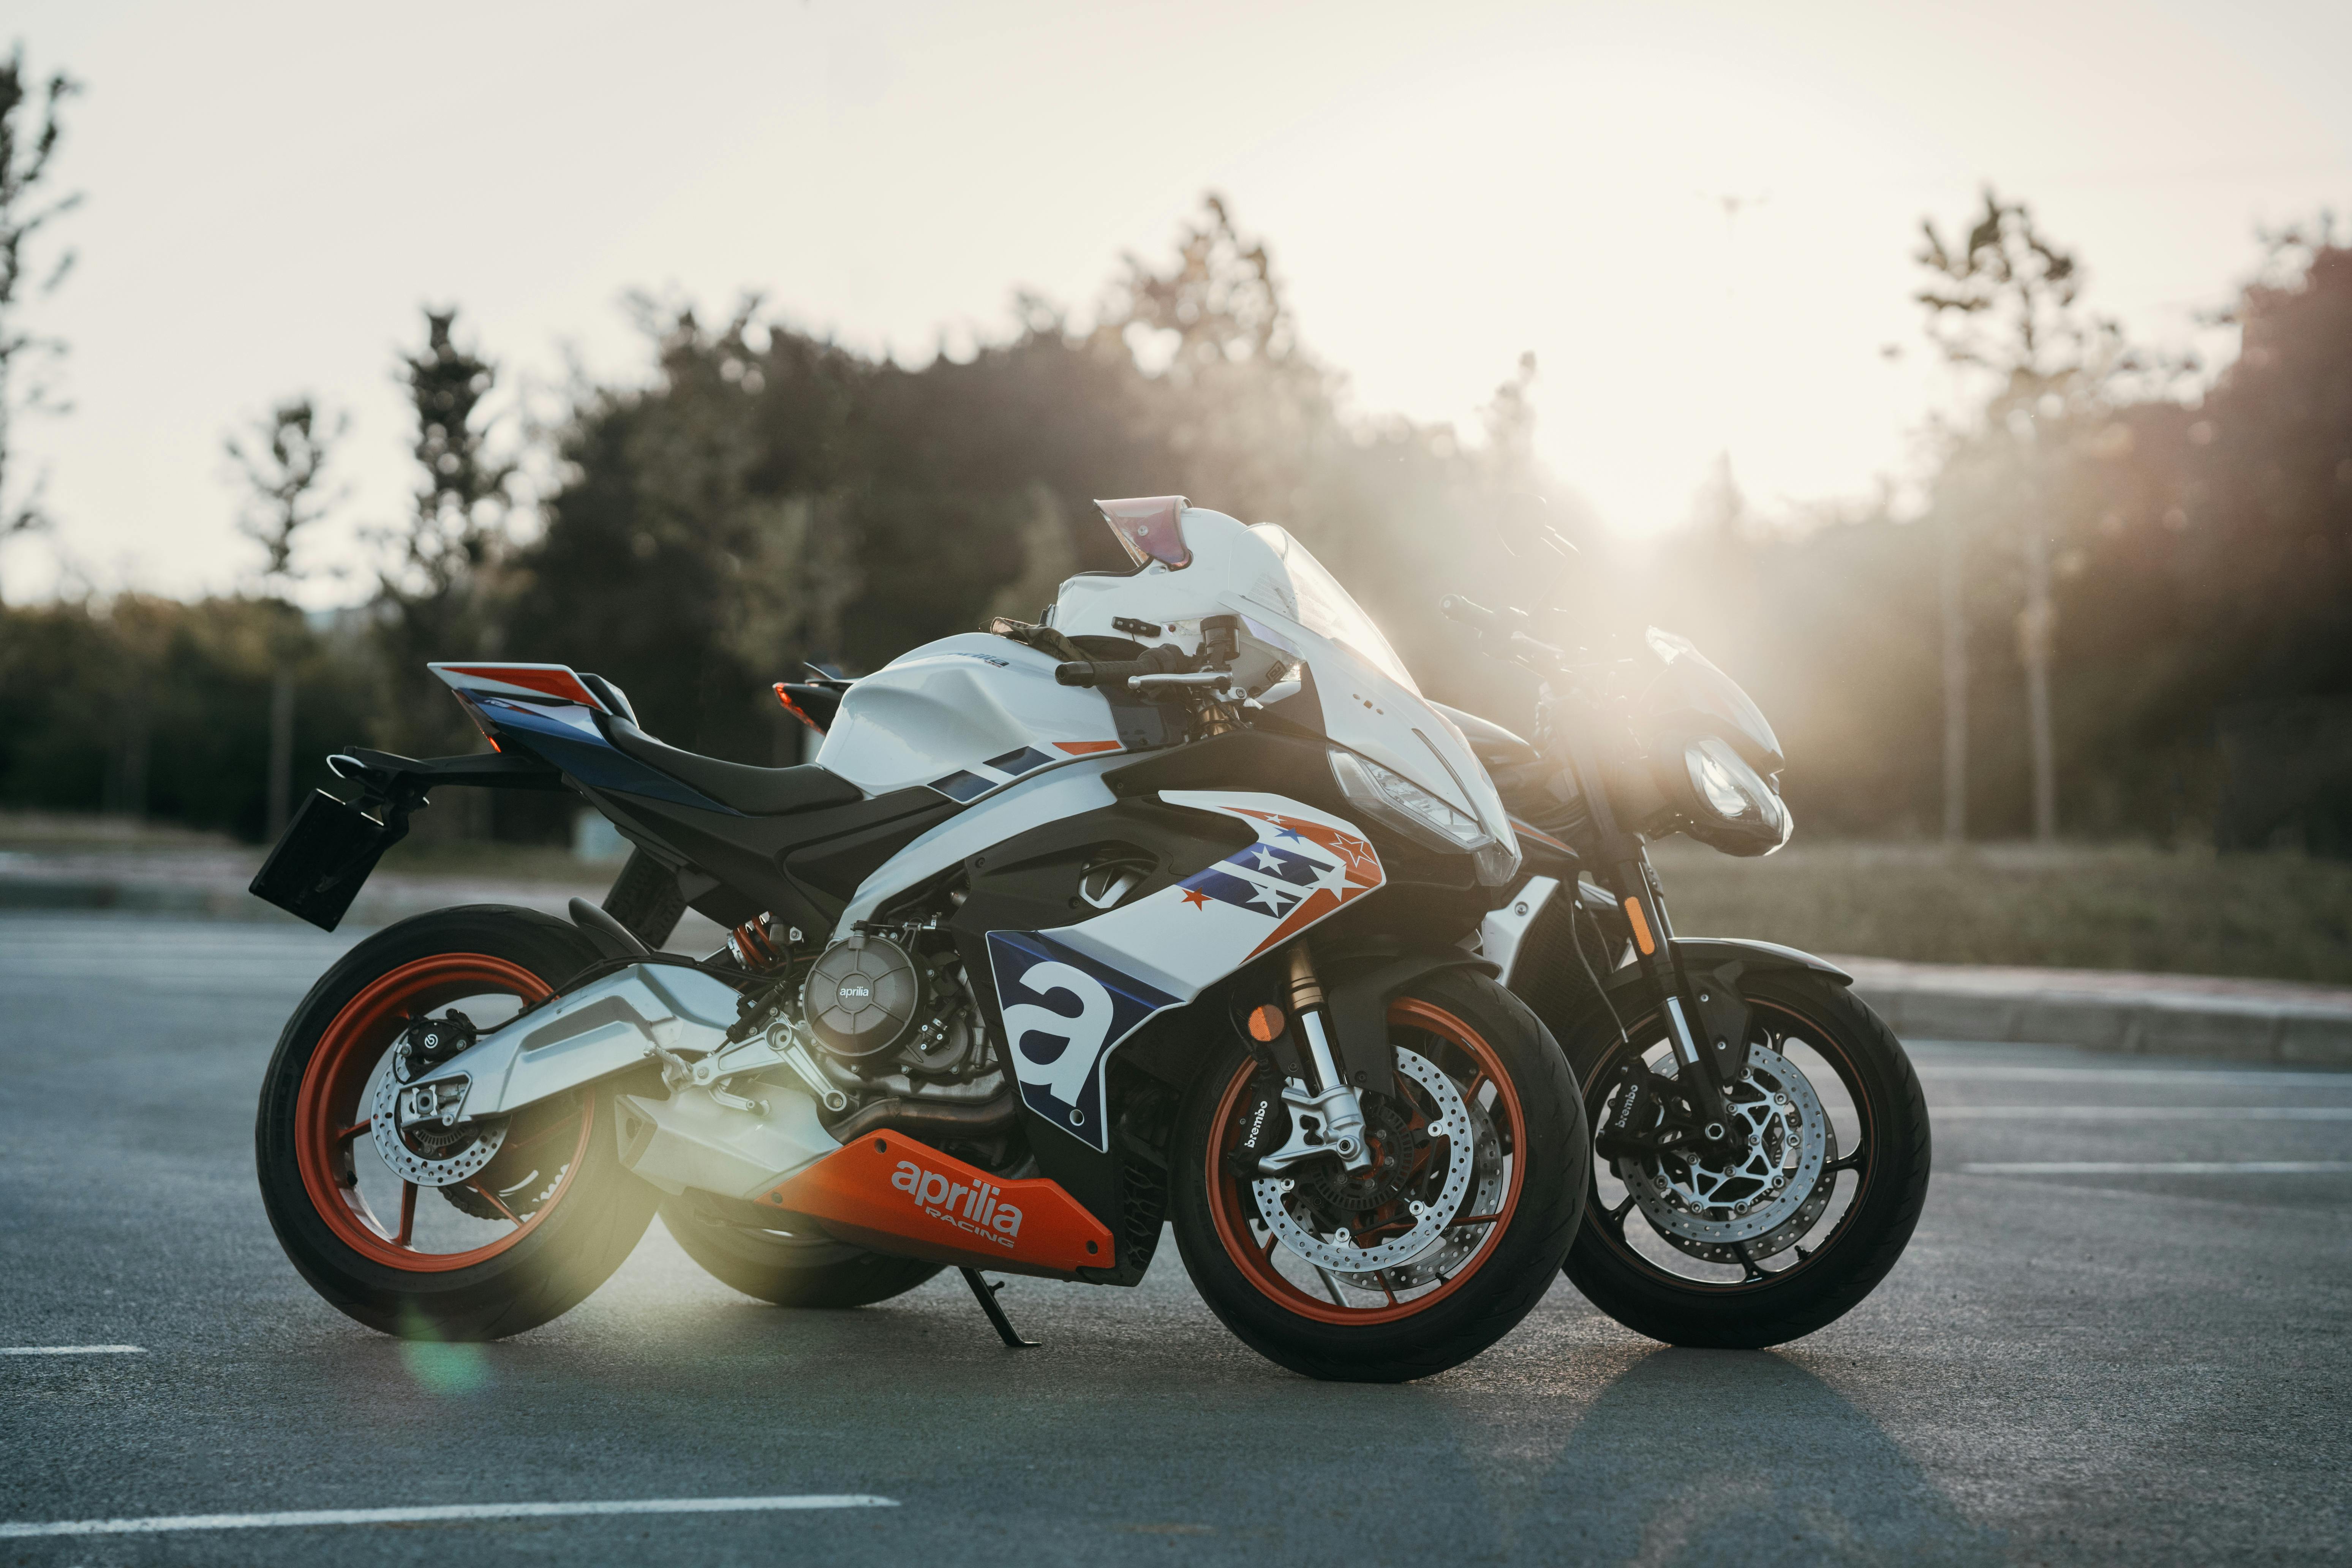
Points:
(1698, 216)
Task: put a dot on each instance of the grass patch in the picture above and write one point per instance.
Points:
(2277, 917)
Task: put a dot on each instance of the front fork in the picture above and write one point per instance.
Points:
(1706, 1021)
(1327, 1116)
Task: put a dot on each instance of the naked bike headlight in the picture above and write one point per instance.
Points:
(1722, 800)
(1404, 805)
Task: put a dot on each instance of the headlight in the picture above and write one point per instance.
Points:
(1712, 776)
(1403, 804)
(1722, 800)
(1387, 793)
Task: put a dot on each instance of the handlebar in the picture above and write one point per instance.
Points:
(1503, 627)
(1110, 672)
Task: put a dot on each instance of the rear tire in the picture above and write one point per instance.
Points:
(540, 1247)
(1482, 1280)
(786, 1269)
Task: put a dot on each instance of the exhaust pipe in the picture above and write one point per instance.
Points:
(923, 1118)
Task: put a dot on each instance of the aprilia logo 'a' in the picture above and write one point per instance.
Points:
(973, 1209)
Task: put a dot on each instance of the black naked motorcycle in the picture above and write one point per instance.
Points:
(1759, 1141)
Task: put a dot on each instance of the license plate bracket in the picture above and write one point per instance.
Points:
(324, 859)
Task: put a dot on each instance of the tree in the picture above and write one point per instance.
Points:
(434, 591)
(284, 461)
(30, 132)
(2003, 307)
(459, 509)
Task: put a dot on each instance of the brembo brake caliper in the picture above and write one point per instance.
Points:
(1643, 1115)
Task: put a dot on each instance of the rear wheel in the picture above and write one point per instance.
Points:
(484, 1231)
(789, 1269)
(1437, 1250)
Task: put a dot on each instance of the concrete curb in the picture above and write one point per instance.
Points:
(2145, 1014)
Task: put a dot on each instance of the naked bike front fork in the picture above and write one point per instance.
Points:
(1706, 1021)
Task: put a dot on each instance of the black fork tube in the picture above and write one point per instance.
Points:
(1625, 867)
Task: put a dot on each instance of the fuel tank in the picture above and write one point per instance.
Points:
(965, 715)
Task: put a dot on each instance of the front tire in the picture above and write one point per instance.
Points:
(1480, 1148)
(1832, 1070)
(524, 1238)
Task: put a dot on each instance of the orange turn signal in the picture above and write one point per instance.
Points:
(1641, 926)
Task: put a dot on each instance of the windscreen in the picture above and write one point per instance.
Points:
(1326, 609)
(1698, 687)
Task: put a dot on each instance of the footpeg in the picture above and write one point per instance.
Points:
(985, 1294)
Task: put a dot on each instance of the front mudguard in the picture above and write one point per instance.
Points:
(1357, 990)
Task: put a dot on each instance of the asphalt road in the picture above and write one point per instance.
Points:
(2131, 1363)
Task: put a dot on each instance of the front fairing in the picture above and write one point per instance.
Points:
(1367, 713)
(1358, 698)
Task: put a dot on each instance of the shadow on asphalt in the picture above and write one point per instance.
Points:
(1543, 1450)
(1714, 1456)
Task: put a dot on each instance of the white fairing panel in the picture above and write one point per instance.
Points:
(1240, 571)
(1034, 801)
(965, 715)
(1072, 994)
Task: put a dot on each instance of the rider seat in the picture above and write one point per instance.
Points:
(755, 792)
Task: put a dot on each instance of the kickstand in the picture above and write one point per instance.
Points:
(985, 1294)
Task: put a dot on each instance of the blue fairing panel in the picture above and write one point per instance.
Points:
(1064, 1013)
(568, 738)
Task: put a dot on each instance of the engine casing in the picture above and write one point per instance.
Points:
(862, 996)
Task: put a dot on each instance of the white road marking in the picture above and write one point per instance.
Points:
(73, 1349)
(2163, 1168)
(1932, 1068)
(170, 1524)
(2142, 1113)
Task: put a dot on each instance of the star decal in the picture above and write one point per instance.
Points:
(1267, 860)
(1270, 897)
(1197, 899)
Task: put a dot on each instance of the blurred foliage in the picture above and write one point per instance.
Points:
(765, 497)
(31, 129)
(154, 707)
(771, 498)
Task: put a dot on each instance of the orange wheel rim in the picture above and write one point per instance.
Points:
(330, 1108)
(1254, 1257)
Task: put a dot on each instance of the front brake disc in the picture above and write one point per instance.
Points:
(1771, 1197)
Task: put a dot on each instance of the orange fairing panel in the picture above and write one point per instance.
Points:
(896, 1194)
(1147, 525)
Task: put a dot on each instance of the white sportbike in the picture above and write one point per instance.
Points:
(1167, 907)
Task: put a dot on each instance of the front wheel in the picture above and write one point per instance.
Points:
(1790, 1222)
(1435, 1251)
